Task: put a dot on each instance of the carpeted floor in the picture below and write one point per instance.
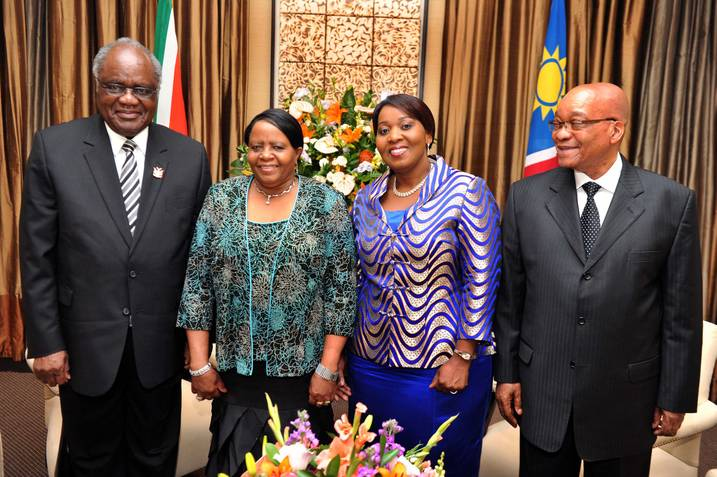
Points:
(23, 429)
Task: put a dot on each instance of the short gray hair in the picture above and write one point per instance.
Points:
(101, 56)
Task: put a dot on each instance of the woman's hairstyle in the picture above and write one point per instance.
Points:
(284, 122)
(412, 106)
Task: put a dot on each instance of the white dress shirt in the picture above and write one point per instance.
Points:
(603, 197)
(117, 140)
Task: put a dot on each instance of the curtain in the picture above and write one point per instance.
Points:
(46, 52)
(661, 53)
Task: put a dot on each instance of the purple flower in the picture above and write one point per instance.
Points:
(303, 433)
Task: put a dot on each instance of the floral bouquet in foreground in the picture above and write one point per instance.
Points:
(339, 146)
(351, 453)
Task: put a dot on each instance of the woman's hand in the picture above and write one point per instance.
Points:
(321, 391)
(452, 376)
(208, 386)
(343, 391)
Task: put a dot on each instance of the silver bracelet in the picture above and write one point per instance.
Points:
(325, 373)
(201, 371)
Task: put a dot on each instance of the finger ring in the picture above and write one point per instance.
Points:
(454, 392)
(325, 403)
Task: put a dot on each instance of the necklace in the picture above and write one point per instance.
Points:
(397, 193)
(278, 194)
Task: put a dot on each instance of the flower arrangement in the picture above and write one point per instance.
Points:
(351, 453)
(339, 145)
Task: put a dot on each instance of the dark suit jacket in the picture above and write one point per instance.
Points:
(608, 338)
(83, 274)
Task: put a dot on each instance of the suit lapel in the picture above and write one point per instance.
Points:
(99, 157)
(563, 207)
(151, 184)
(625, 208)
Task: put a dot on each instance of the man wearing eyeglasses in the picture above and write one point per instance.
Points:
(107, 216)
(598, 325)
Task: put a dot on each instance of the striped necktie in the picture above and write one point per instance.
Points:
(129, 182)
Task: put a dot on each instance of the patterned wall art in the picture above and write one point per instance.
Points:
(370, 44)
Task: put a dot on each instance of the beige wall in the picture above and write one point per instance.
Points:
(260, 39)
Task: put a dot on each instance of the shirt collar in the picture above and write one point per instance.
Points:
(117, 140)
(607, 181)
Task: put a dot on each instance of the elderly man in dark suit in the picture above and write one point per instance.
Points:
(107, 217)
(598, 328)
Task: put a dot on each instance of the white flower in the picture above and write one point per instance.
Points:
(411, 470)
(319, 178)
(367, 129)
(300, 93)
(344, 183)
(325, 103)
(325, 145)
(307, 140)
(305, 156)
(296, 108)
(323, 162)
(313, 140)
(299, 456)
(363, 109)
(339, 161)
(365, 166)
(385, 94)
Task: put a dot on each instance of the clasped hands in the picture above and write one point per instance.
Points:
(510, 405)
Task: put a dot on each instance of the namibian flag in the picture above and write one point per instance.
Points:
(549, 90)
(170, 107)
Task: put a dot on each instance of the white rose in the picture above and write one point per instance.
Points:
(296, 108)
(323, 162)
(363, 109)
(300, 93)
(325, 103)
(364, 167)
(299, 456)
(305, 156)
(321, 179)
(339, 161)
(385, 94)
(325, 145)
(367, 129)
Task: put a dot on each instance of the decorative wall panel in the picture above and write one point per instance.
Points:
(369, 44)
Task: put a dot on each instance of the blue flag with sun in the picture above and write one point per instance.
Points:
(548, 91)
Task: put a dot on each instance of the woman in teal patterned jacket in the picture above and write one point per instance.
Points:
(271, 274)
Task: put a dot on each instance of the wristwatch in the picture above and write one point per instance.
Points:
(324, 372)
(464, 354)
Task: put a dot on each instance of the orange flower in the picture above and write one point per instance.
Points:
(348, 136)
(333, 114)
(365, 156)
(343, 428)
(285, 466)
(306, 131)
(364, 436)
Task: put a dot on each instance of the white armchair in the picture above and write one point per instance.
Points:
(676, 456)
(194, 435)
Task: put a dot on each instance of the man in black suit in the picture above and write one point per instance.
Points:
(598, 328)
(107, 217)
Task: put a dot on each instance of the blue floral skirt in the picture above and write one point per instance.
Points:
(403, 394)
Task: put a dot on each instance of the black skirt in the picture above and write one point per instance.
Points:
(239, 418)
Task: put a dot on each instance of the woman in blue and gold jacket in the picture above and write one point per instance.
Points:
(428, 244)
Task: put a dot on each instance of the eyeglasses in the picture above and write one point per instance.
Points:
(575, 124)
(117, 89)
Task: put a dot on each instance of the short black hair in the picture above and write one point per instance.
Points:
(412, 106)
(284, 122)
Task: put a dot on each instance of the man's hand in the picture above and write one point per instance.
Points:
(666, 423)
(321, 391)
(452, 376)
(343, 391)
(208, 386)
(510, 402)
(52, 369)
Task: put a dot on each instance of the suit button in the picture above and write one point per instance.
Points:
(132, 274)
(572, 364)
(581, 320)
(587, 276)
(125, 311)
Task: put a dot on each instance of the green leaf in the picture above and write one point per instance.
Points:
(332, 470)
(387, 457)
(303, 473)
(271, 451)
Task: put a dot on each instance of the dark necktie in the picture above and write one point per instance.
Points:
(129, 181)
(590, 220)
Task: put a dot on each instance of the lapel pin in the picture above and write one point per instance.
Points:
(158, 172)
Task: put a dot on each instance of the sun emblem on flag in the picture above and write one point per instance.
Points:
(551, 82)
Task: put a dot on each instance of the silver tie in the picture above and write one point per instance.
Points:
(129, 182)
